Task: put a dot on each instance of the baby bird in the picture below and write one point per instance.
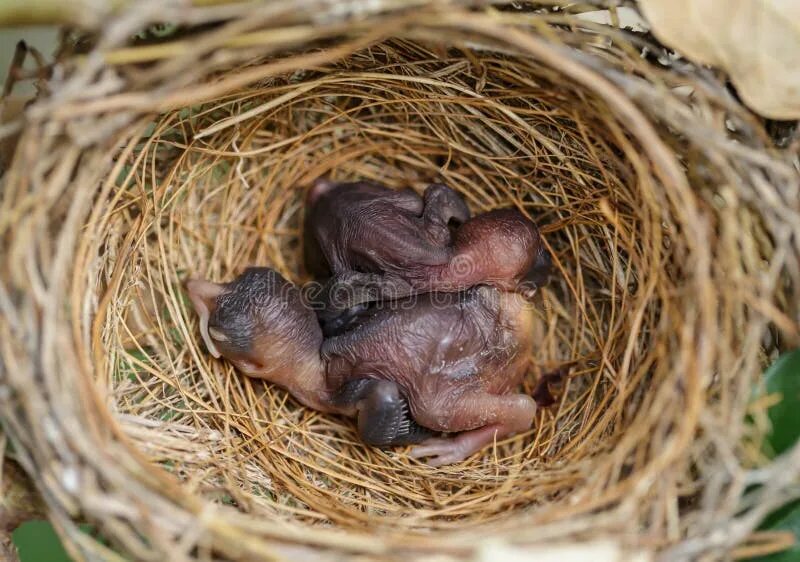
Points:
(442, 362)
(383, 244)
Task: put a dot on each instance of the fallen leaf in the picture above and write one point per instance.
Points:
(757, 42)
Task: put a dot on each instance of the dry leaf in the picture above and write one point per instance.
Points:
(756, 41)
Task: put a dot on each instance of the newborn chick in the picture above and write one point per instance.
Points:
(259, 323)
(457, 358)
(448, 362)
(384, 244)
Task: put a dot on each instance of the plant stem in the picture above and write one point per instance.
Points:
(81, 13)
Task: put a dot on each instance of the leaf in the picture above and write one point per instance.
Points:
(757, 42)
(127, 365)
(786, 518)
(783, 377)
(37, 541)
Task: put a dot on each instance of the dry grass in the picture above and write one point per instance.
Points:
(675, 238)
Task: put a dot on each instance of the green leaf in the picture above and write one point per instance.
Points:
(122, 177)
(786, 518)
(37, 541)
(783, 377)
(126, 367)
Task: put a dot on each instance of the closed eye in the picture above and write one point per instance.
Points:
(247, 366)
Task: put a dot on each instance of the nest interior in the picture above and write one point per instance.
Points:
(220, 186)
(662, 300)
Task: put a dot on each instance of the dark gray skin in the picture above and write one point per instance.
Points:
(383, 244)
(444, 362)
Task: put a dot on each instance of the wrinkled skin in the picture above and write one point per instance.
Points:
(448, 363)
(382, 244)
(456, 358)
(259, 323)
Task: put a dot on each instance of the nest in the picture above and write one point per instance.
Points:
(672, 218)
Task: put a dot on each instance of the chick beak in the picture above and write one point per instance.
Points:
(537, 276)
(203, 295)
(527, 290)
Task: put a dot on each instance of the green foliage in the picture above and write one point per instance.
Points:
(783, 377)
(786, 518)
(37, 541)
(127, 366)
(122, 177)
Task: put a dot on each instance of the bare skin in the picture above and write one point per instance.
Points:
(383, 244)
(456, 357)
(449, 362)
(259, 323)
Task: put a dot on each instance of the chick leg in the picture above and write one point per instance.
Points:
(495, 417)
(383, 416)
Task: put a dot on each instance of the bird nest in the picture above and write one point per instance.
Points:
(671, 217)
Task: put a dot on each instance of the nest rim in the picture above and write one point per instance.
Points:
(692, 231)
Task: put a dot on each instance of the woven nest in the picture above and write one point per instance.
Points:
(672, 218)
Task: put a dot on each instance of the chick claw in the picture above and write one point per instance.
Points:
(442, 451)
